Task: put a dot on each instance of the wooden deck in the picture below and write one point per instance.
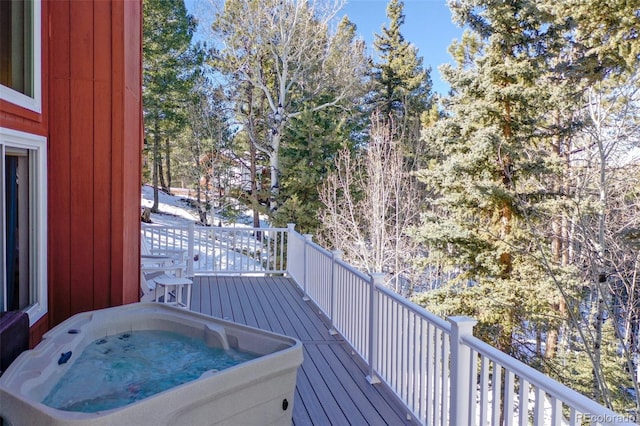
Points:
(331, 386)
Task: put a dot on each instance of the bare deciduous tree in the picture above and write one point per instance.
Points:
(370, 202)
(286, 50)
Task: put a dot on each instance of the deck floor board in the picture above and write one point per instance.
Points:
(331, 386)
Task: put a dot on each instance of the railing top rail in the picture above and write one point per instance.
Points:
(418, 310)
(159, 226)
(353, 270)
(221, 228)
(538, 379)
(319, 248)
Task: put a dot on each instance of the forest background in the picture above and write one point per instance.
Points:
(514, 199)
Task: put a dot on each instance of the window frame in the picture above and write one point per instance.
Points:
(20, 99)
(37, 147)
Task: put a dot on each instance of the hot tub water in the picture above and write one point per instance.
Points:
(117, 370)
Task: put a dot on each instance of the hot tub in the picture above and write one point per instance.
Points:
(256, 392)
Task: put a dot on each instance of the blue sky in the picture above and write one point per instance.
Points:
(427, 25)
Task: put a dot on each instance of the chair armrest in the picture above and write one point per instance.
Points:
(175, 270)
(182, 254)
(150, 259)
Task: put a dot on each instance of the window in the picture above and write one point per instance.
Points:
(20, 53)
(23, 195)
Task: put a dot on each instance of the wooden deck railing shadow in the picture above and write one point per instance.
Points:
(437, 368)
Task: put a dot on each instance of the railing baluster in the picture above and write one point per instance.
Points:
(556, 411)
(473, 383)
(523, 403)
(376, 280)
(438, 375)
(484, 390)
(336, 255)
(508, 397)
(496, 392)
(190, 250)
(538, 413)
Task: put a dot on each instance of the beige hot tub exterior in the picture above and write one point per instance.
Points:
(256, 392)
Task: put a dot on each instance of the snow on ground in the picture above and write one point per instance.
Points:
(224, 252)
(176, 210)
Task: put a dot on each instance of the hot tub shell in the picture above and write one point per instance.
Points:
(256, 392)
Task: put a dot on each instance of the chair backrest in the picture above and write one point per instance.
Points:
(178, 256)
(144, 246)
(148, 274)
(146, 289)
(156, 263)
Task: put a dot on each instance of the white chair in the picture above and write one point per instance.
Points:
(152, 256)
(162, 277)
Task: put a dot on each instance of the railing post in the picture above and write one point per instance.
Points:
(190, 249)
(461, 386)
(335, 256)
(307, 239)
(377, 279)
(290, 230)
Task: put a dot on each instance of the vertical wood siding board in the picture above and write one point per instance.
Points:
(116, 115)
(59, 41)
(126, 115)
(82, 196)
(44, 69)
(81, 29)
(102, 154)
(59, 259)
(58, 165)
(133, 144)
(81, 150)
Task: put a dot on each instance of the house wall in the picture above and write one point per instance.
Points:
(92, 117)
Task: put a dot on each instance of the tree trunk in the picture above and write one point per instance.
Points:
(156, 165)
(254, 185)
(167, 159)
(274, 166)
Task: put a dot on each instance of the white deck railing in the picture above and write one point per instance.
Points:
(442, 374)
(216, 250)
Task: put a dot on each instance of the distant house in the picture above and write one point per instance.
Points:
(70, 143)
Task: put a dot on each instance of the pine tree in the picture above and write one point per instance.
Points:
(605, 37)
(402, 87)
(489, 159)
(510, 173)
(308, 156)
(167, 59)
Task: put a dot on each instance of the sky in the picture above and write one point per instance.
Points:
(427, 25)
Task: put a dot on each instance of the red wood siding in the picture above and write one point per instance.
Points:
(92, 117)
(96, 117)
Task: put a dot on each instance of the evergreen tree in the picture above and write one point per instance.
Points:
(489, 159)
(510, 174)
(308, 156)
(605, 37)
(202, 150)
(167, 62)
(402, 87)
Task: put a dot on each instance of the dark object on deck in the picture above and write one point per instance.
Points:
(146, 215)
(14, 336)
(64, 358)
